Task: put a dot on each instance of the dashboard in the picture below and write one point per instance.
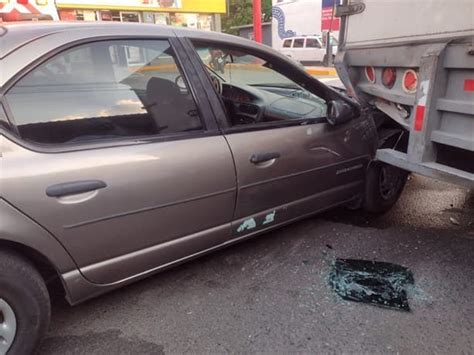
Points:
(236, 94)
(250, 104)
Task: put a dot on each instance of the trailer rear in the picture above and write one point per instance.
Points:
(412, 66)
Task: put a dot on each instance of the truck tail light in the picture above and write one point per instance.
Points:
(22, 2)
(370, 74)
(410, 81)
(389, 76)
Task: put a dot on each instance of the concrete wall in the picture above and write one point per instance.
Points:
(247, 32)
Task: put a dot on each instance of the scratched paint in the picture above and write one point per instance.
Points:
(269, 218)
(247, 225)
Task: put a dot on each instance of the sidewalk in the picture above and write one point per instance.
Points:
(321, 71)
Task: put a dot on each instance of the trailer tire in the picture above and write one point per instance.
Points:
(383, 187)
(25, 307)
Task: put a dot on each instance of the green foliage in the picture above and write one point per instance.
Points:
(239, 13)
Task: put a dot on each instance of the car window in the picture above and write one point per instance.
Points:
(104, 90)
(287, 43)
(312, 43)
(3, 118)
(253, 91)
(298, 43)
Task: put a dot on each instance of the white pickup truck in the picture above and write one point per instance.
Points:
(413, 62)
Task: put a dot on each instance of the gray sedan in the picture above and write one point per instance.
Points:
(127, 149)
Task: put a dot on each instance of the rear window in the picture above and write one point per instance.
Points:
(287, 43)
(298, 43)
(103, 90)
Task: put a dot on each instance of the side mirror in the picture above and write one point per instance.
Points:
(339, 112)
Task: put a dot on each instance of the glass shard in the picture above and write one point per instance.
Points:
(378, 283)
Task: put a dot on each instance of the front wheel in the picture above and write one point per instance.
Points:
(384, 185)
(24, 305)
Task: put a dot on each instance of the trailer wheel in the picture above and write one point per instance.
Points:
(384, 185)
(24, 305)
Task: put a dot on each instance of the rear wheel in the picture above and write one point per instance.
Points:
(384, 185)
(24, 305)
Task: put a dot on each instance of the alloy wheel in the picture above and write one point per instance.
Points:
(7, 326)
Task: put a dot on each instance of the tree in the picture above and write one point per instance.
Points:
(239, 13)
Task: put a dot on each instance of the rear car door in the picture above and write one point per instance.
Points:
(290, 161)
(118, 156)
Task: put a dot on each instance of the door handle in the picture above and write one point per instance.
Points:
(74, 187)
(263, 157)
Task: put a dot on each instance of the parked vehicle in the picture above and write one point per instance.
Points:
(129, 148)
(308, 50)
(27, 10)
(419, 75)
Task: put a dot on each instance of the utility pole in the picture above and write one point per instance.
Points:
(257, 20)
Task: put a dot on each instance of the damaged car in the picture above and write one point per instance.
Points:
(129, 148)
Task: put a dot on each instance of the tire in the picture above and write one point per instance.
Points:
(383, 187)
(24, 300)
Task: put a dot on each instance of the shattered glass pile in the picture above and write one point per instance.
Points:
(378, 283)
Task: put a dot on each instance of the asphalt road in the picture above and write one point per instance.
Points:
(271, 294)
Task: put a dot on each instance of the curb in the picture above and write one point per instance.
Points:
(322, 71)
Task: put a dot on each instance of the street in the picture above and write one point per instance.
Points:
(270, 294)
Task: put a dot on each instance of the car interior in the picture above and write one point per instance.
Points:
(253, 92)
(113, 89)
(105, 90)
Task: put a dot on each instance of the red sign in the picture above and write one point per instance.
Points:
(326, 19)
(67, 15)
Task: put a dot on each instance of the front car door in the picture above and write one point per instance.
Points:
(315, 48)
(290, 162)
(118, 156)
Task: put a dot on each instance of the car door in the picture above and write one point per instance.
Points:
(292, 163)
(298, 49)
(118, 156)
(286, 47)
(315, 49)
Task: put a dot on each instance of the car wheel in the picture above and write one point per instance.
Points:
(384, 185)
(24, 305)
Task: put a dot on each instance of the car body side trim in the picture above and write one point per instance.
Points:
(362, 157)
(146, 209)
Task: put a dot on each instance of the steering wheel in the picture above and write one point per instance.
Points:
(216, 83)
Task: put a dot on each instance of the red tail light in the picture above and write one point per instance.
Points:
(389, 76)
(410, 81)
(370, 74)
(22, 2)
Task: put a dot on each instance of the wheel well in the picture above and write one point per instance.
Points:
(46, 269)
(391, 134)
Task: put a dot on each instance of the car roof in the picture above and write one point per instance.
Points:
(17, 34)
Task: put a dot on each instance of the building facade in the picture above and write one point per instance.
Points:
(293, 18)
(195, 14)
(246, 31)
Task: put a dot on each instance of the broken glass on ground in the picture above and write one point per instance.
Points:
(378, 283)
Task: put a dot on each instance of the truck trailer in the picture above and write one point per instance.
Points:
(411, 65)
